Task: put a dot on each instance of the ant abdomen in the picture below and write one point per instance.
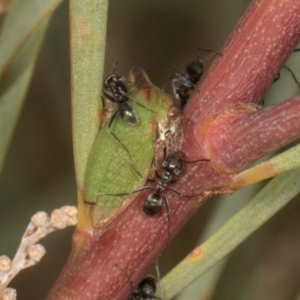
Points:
(152, 205)
(127, 113)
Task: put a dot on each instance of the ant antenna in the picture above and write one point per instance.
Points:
(209, 51)
(115, 66)
(117, 139)
(293, 74)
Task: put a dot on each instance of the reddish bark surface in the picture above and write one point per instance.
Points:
(224, 124)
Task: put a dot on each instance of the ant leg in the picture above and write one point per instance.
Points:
(175, 77)
(172, 76)
(137, 172)
(208, 50)
(277, 77)
(141, 176)
(293, 74)
(157, 175)
(182, 195)
(150, 180)
(139, 103)
(182, 80)
(194, 161)
(125, 80)
(262, 102)
(116, 138)
(147, 187)
(174, 191)
(186, 161)
(115, 66)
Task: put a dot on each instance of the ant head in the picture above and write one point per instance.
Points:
(111, 79)
(195, 70)
(173, 163)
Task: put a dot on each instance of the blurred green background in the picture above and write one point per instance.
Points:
(39, 171)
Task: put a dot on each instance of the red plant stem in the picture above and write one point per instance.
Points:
(102, 263)
(266, 129)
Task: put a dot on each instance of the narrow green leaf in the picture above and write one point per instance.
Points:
(23, 19)
(88, 34)
(111, 170)
(227, 207)
(261, 208)
(15, 85)
(287, 160)
(283, 162)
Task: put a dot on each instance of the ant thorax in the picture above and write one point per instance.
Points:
(113, 84)
(171, 168)
(110, 89)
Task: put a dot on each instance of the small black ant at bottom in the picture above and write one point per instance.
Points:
(145, 290)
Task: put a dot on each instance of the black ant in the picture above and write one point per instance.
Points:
(116, 92)
(145, 290)
(172, 167)
(183, 83)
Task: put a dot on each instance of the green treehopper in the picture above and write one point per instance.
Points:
(111, 171)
